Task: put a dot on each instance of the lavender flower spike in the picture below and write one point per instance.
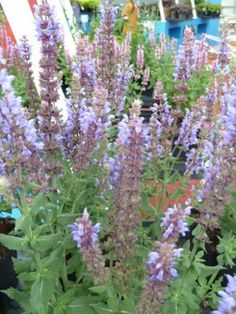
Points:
(83, 232)
(86, 237)
(161, 269)
(174, 223)
(227, 302)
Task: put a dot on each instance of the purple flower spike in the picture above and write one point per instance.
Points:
(83, 232)
(161, 269)
(174, 223)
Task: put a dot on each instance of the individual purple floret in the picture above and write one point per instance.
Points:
(85, 234)
(174, 224)
(227, 300)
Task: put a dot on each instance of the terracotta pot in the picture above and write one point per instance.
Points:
(170, 202)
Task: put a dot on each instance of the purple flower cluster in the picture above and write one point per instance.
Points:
(83, 232)
(161, 262)
(47, 28)
(161, 269)
(190, 126)
(183, 71)
(223, 54)
(19, 143)
(173, 223)
(94, 120)
(161, 123)
(86, 237)
(227, 301)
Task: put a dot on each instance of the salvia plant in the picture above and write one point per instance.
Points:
(119, 215)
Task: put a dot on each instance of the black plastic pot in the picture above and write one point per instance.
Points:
(8, 277)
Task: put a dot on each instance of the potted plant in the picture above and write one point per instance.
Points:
(208, 10)
(88, 5)
(180, 12)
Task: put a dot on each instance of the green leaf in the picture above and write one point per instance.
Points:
(82, 305)
(22, 265)
(38, 202)
(141, 251)
(12, 243)
(42, 291)
(146, 206)
(27, 276)
(23, 222)
(21, 297)
(46, 242)
(98, 289)
(206, 271)
(66, 219)
(128, 306)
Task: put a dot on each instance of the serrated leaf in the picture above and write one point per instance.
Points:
(21, 297)
(22, 265)
(12, 243)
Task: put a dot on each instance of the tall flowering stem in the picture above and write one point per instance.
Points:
(106, 49)
(25, 54)
(95, 120)
(18, 139)
(161, 126)
(201, 54)
(85, 234)
(49, 35)
(124, 73)
(161, 262)
(139, 62)
(219, 164)
(127, 183)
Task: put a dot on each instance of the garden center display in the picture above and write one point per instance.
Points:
(119, 213)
